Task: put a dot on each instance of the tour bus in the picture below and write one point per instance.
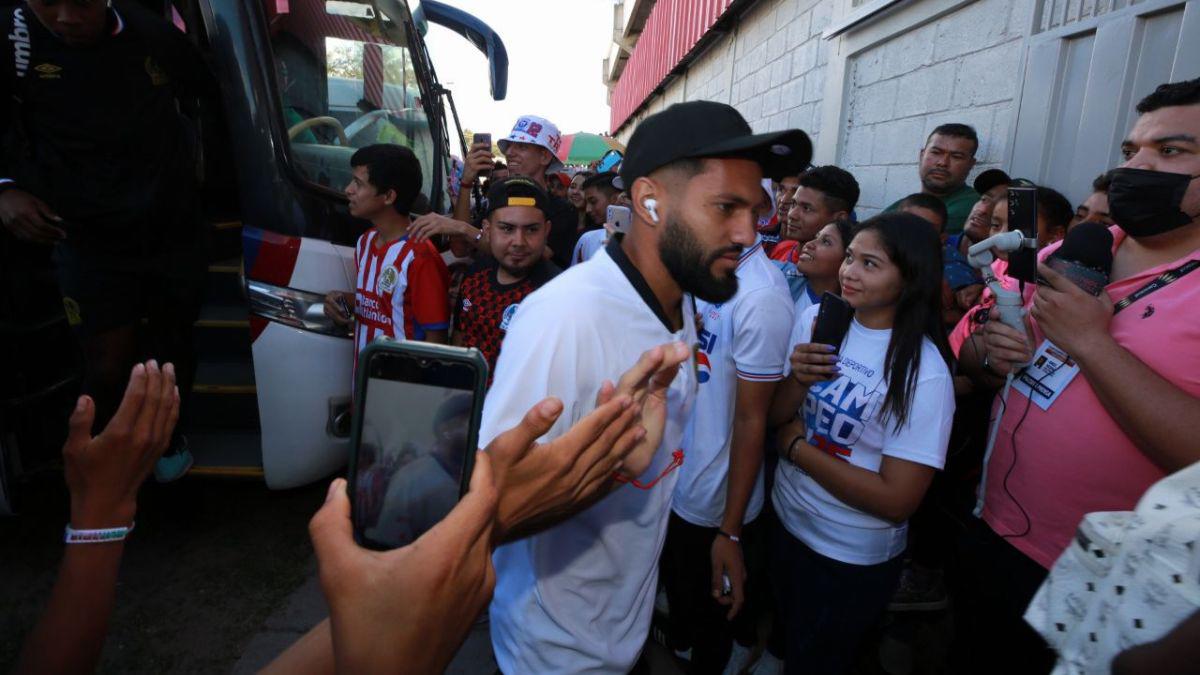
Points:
(303, 84)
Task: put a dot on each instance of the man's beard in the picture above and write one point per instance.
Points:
(519, 272)
(689, 265)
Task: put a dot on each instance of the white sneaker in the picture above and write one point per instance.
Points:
(685, 654)
(767, 664)
(740, 660)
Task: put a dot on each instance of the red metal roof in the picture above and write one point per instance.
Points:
(673, 28)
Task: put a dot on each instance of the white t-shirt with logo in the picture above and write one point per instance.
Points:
(842, 417)
(745, 338)
(578, 596)
(589, 244)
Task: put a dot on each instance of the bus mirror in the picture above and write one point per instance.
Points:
(477, 33)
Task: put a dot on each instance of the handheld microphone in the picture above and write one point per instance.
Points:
(1085, 257)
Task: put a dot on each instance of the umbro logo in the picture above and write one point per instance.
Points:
(48, 71)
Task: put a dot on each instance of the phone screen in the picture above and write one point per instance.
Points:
(415, 445)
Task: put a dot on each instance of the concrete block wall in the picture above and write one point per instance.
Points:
(963, 67)
(771, 68)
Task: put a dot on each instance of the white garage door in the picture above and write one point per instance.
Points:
(1089, 63)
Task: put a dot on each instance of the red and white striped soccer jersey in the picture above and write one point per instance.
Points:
(402, 290)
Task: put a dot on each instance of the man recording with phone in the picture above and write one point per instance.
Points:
(530, 150)
(578, 594)
(1117, 401)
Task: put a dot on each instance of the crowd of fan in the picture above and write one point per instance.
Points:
(801, 488)
(1095, 447)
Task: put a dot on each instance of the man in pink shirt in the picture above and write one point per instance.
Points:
(1122, 408)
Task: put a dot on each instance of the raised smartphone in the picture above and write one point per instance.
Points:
(619, 217)
(1022, 215)
(414, 437)
(480, 137)
(833, 320)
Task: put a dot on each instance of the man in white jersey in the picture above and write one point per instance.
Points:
(743, 348)
(577, 596)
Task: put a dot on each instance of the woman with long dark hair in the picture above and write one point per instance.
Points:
(869, 424)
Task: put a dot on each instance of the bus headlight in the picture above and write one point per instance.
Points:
(299, 309)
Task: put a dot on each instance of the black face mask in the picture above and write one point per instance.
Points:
(1145, 203)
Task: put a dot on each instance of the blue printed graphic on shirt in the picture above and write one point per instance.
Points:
(836, 411)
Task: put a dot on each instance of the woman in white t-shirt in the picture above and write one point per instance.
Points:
(868, 428)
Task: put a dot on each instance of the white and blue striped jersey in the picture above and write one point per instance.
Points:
(745, 338)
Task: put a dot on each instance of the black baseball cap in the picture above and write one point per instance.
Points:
(516, 191)
(989, 179)
(699, 129)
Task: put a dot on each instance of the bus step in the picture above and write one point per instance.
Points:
(230, 382)
(223, 282)
(225, 239)
(235, 454)
(223, 333)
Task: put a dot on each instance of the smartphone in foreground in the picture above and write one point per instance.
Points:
(833, 320)
(619, 217)
(414, 436)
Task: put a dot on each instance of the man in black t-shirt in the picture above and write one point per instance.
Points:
(99, 164)
(517, 230)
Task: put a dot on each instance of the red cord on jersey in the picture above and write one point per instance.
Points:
(676, 462)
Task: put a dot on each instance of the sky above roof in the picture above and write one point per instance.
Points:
(555, 51)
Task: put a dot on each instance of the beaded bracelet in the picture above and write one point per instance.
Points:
(107, 535)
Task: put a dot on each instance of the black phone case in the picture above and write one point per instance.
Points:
(1022, 215)
(471, 357)
(833, 320)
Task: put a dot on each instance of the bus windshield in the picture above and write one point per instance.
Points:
(346, 80)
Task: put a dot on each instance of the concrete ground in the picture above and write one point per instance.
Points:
(219, 576)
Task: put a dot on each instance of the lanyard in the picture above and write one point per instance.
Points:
(1161, 281)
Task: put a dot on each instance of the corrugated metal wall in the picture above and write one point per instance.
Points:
(673, 28)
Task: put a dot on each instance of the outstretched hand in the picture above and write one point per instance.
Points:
(104, 472)
(540, 482)
(647, 383)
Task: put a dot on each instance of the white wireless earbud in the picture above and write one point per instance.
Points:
(651, 206)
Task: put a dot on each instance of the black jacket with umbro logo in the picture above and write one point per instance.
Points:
(96, 132)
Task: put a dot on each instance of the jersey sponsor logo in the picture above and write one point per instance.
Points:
(703, 367)
(466, 305)
(158, 76)
(836, 414)
(370, 310)
(388, 279)
(706, 342)
(506, 317)
(20, 41)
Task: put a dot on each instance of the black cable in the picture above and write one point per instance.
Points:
(1013, 464)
